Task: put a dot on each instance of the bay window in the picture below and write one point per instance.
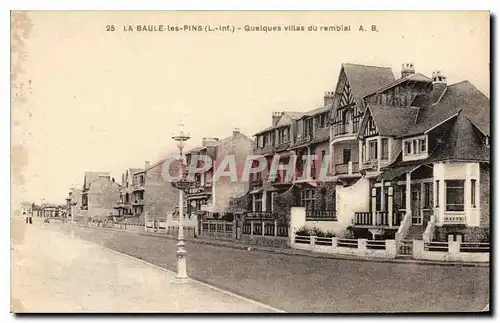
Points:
(372, 150)
(454, 195)
(385, 148)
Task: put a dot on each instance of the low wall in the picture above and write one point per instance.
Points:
(268, 241)
(298, 220)
(451, 251)
(354, 247)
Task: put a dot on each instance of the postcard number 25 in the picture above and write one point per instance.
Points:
(110, 27)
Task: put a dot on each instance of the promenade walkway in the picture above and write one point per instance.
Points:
(52, 272)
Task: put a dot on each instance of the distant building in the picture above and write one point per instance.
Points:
(99, 195)
(124, 204)
(151, 195)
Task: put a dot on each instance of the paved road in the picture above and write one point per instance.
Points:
(52, 272)
(304, 284)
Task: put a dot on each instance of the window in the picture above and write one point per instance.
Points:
(258, 203)
(402, 190)
(385, 148)
(378, 199)
(371, 125)
(386, 198)
(283, 135)
(473, 192)
(372, 153)
(307, 198)
(427, 195)
(408, 147)
(454, 195)
(437, 193)
(363, 151)
(423, 145)
(415, 148)
(346, 157)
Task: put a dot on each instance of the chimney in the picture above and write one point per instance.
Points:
(329, 97)
(236, 131)
(147, 163)
(276, 117)
(407, 69)
(438, 85)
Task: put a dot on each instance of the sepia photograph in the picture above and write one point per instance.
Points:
(250, 162)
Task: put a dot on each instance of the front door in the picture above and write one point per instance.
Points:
(416, 209)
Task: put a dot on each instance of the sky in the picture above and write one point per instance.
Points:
(97, 100)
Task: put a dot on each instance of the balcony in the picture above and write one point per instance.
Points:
(370, 165)
(345, 132)
(321, 215)
(260, 215)
(282, 146)
(377, 219)
(119, 204)
(350, 168)
(256, 182)
(454, 219)
(268, 149)
(197, 189)
(303, 139)
(138, 187)
(138, 202)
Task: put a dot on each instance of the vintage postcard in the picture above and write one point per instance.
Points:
(250, 162)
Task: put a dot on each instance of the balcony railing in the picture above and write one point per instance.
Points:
(138, 202)
(303, 139)
(370, 164)
(138, 187)
(379, 218)
(321, 215)
(454, 219)
(283, 145)
(260, 215)
(347, 169)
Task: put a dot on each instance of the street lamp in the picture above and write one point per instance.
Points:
(183, 186)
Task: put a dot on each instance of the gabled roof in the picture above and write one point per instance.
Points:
(134, 170)
(416, 77)
(365, 79)
(292, 115)
(90, 177)
(316, 111)
(391, 120)
(455, 98)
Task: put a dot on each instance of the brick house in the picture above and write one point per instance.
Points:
(151, 195)
(99, 195)
(425, 161)
(217, 194)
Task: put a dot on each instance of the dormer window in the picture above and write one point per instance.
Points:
(487, 141)
(415, 148)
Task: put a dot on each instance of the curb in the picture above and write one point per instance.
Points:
(311, 254)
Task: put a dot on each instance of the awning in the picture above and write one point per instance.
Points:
(306, 181)
(392, 173)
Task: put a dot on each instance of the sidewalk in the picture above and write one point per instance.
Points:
(51, 272)
(295, 252)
